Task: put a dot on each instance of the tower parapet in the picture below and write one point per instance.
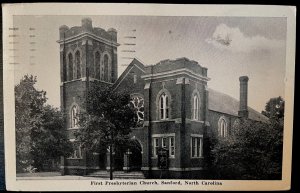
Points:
(62, 30)
(86, 24)
(113, 32)
(110, 36)
(88, 51)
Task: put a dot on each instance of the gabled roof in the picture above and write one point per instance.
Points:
(223, 103)
(217, 101)
(134, 62)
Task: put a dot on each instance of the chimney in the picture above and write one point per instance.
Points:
(243, 112)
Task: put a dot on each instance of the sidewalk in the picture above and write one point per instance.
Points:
(53, 176)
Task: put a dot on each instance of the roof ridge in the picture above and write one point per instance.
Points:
(215, 104)
(224, 94)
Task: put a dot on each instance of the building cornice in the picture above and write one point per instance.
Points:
(182, 71)
(90, 35)
(85, 79)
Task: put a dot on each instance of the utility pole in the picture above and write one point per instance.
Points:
(111, 156)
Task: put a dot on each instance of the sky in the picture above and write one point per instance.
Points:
(229, 47)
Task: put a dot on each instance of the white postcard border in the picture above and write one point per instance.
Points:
(154, 10)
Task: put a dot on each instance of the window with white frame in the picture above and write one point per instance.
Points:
(195, 106)
(172, 146)
(222, 127)
(196, 147)
(164, 106)
(155, 146)
(164, 142)
(74, 116)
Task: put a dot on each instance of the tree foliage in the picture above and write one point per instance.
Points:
(48, 139)
(253, 151)
(107, 121)
(274, 108)
(39, 127)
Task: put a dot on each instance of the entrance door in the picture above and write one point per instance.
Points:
(136, 155)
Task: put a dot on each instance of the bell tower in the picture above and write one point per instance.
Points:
(88, 55)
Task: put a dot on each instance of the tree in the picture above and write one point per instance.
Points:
(253, 151)
(274, 108)
(36, 127)
(107, 122)
(28, 104)
(48, 139)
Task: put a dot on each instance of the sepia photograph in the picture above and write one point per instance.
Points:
(153, 100)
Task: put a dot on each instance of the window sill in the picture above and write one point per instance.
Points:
(173, 157)
(197, 121)
(197, 157)
(75, 158)
(74, 128)
(163, 120)
(74, 80)
(95, 79)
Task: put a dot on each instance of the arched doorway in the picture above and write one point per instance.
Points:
(135, 155)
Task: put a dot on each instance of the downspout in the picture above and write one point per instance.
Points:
(87, 73)
(64, 74)
(183, 125)
(150, 127)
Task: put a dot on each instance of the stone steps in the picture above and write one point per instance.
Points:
(118, 175)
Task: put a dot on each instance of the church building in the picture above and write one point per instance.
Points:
(174, 106)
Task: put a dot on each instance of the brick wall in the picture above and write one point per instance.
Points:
(214, 118)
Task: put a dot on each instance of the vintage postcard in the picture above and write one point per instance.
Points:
(117, 97)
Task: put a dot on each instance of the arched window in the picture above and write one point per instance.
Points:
(70, 66)
(97, 65)
(195, 107)
(236, 123)
(164, 106)
(74, 116)
(105, 62)
(223, 132)
(78, 65)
